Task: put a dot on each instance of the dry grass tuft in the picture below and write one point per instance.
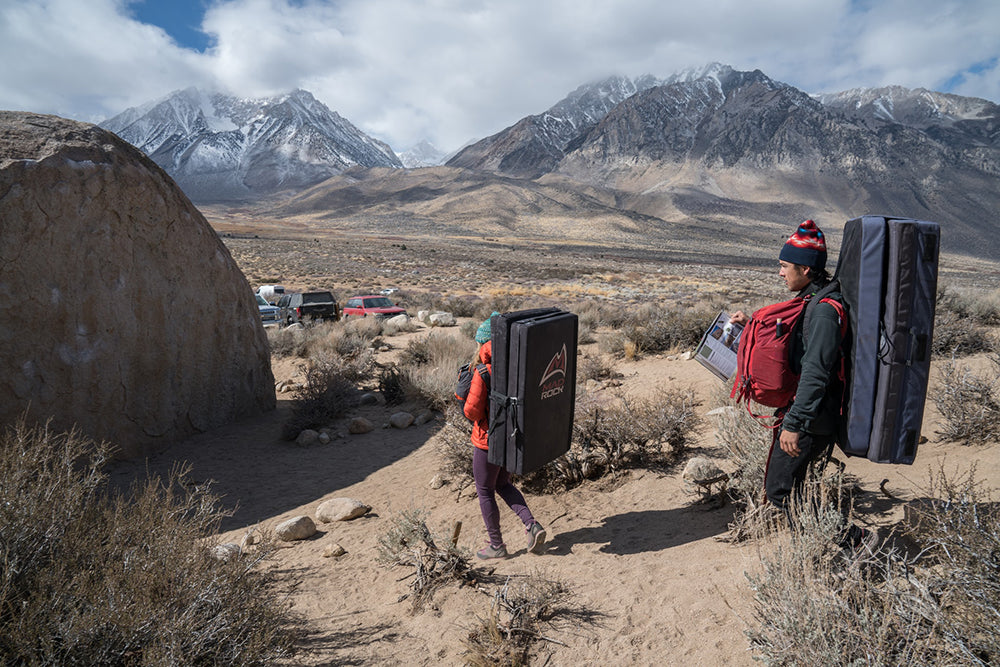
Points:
(435, 561)
(520, 611)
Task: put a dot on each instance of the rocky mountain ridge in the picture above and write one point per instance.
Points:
(706, 148)
(222, 147)
(721, 144)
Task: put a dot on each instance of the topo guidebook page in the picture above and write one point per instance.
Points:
(717, 349)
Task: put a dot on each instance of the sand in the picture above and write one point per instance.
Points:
(650, 577)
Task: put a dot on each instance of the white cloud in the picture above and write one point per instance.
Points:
(85, 60)
(452, 70)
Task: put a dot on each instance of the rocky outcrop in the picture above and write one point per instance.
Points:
(124, 314)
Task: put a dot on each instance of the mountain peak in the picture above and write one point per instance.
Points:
(218, 146)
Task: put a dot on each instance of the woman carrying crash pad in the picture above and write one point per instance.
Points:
(492, 479)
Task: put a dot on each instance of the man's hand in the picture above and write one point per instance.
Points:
(789, 442)
(739, 317)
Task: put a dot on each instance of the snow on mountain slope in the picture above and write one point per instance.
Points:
(221, 147)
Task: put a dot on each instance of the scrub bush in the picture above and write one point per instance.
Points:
(519, 610)
(816, 603)
(615, 433)
(434, 560)
(328, 393)
(429, 367)
(92, 577)
(969, 404)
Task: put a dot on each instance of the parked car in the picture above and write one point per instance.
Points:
(378, 306)
(271, 293)
(269, 315)
(305, 306)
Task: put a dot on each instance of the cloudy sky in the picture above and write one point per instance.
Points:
(455, 70)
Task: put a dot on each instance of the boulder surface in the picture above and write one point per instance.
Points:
(125, 315)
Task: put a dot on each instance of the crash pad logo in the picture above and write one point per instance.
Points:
(554, 379)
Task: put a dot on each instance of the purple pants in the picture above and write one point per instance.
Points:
(491, 480)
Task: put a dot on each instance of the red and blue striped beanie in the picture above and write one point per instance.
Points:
(807, 246)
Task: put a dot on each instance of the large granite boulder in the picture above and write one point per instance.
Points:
(123, 312)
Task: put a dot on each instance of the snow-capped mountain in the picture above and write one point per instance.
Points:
(535, 144)
(424, 154)
(976, 120)
(721, 142)
(220, 147)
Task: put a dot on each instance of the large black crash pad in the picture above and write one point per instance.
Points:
(888, 271)
(533, 392)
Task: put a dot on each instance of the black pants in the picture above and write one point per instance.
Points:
(786, 474)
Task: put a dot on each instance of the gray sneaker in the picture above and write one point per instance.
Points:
(536, 537)
(490, 552)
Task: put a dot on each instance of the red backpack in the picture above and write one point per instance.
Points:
(763, 370)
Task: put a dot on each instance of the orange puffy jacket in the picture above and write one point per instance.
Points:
(477, 405)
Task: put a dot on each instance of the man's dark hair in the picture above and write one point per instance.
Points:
(819, 276)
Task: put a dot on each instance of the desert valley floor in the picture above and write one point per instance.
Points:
(652, 580)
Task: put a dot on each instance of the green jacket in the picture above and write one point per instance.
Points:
(816, 358)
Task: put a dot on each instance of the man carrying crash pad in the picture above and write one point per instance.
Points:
(807, 426)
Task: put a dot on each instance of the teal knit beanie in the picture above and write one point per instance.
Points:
(484, 332)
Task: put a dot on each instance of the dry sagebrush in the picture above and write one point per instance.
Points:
(428, 367)
(816, 603)
(613, 433)
(94, 578)
(520, 611)
(969, 403)
(746, 443)
(347, 338)
(328, 393)
(961, 322)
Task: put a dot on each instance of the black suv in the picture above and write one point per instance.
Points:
(308, 306)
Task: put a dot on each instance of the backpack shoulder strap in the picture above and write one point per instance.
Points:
(822, 296)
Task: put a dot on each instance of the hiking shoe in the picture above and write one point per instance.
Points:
(536, 537)
(490, 552)
(859, 540)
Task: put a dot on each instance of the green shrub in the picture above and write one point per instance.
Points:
(90, 577)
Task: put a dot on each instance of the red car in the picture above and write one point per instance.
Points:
(379, 306)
